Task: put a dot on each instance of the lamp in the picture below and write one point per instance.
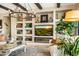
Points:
(72, 16)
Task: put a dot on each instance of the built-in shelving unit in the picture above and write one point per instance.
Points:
(28, 30)
(22, 28)
(43, 27)
(39, 29)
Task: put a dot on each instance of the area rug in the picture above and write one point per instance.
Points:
(38, 50)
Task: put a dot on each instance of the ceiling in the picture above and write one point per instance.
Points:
(32, 6)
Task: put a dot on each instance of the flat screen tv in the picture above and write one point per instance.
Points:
(44, 30)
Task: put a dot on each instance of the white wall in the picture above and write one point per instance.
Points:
(13, 28)
(5, 24)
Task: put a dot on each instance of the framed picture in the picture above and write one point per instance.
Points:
(44, 18)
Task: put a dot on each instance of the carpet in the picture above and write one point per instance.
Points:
(33, 51)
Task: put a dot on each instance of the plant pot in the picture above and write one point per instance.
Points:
(54, 51)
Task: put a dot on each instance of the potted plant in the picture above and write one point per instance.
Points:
(70, 48)
(65, 28)
(55, 47)
(69, 27)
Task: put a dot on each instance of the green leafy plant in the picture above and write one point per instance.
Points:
(67, 46)
(69, 27)
(70, 48)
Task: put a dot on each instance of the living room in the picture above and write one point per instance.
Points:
(39, 29)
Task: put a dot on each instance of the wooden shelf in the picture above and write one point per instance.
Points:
(19, 28)
(19, 22)
(28, 28)
(43, 23)
(28, 21)
(28, 35)
(19, 34)
(45, 36)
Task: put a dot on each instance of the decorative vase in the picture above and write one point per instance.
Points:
(54, 51)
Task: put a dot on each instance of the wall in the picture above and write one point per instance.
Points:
(13, 28)
(5, 24)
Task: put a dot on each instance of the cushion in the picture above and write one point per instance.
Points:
(3, 37)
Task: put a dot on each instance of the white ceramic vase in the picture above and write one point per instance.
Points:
(54, 51)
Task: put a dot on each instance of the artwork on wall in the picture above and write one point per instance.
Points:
(0, 24)
(44, 18)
